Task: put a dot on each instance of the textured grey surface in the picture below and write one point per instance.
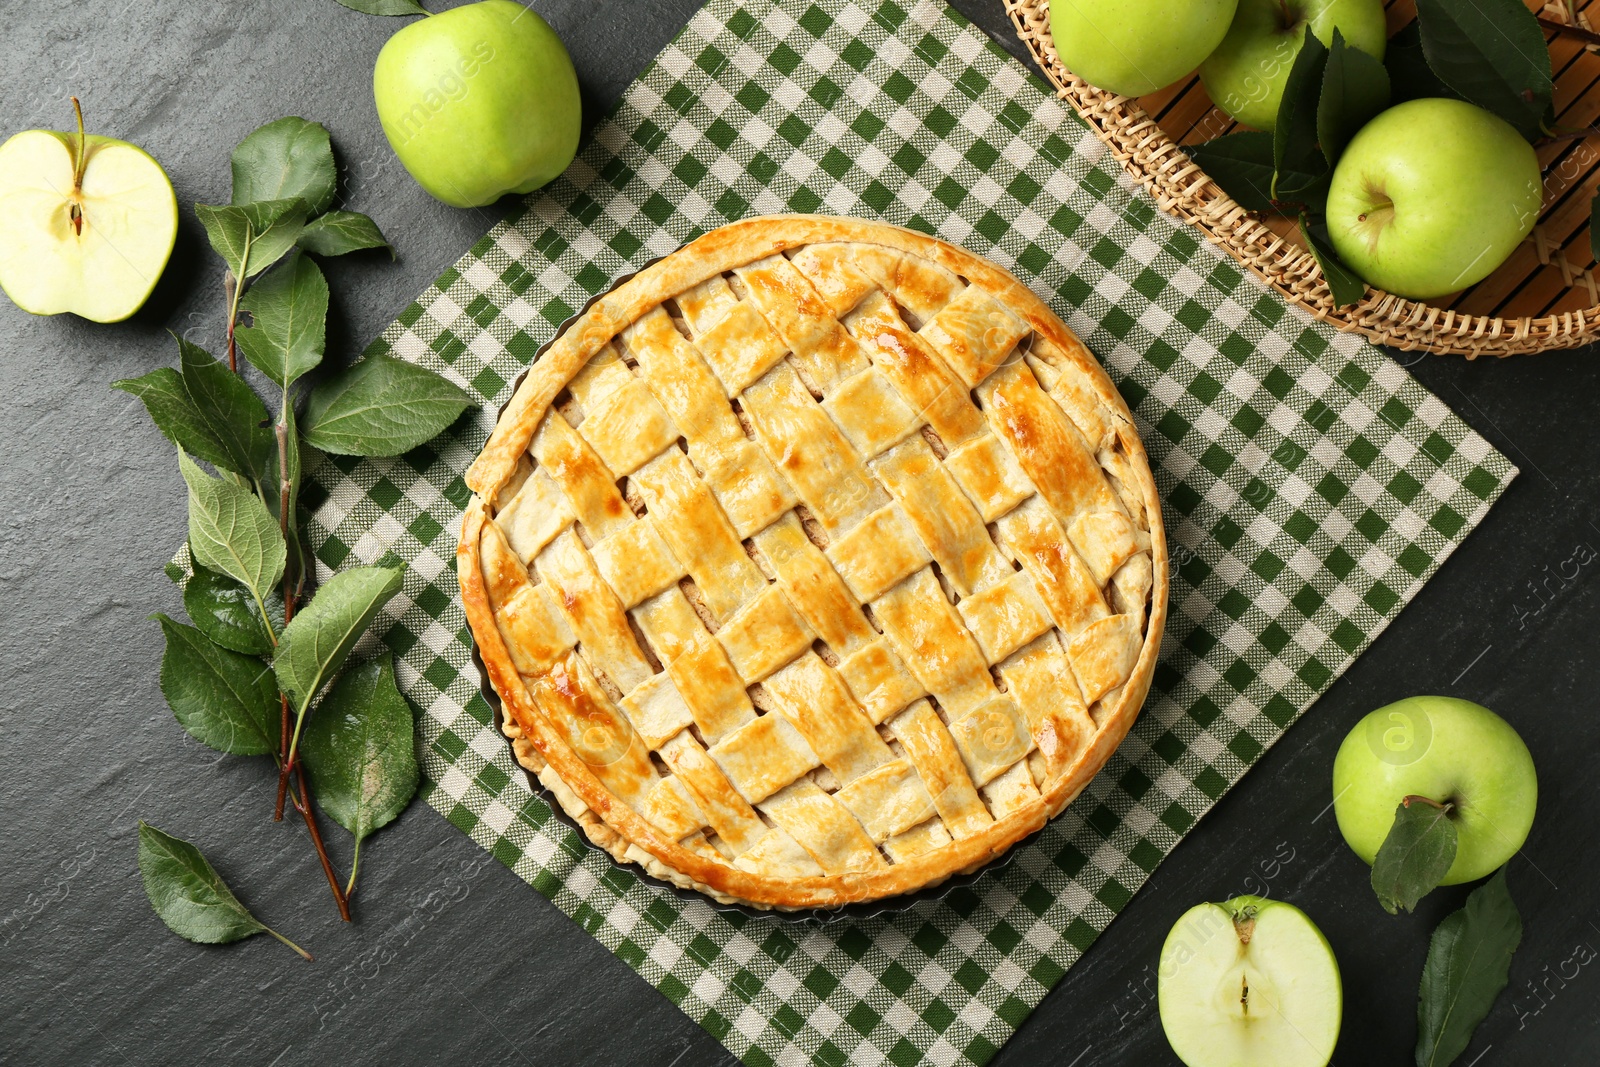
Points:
(452, 955)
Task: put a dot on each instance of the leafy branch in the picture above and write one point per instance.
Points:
(265, 663)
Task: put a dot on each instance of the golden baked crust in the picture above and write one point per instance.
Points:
(815, 563)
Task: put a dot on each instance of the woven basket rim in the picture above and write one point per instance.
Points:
(1184, 190)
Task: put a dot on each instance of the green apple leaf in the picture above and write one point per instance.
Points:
(314, 646)
(228, 230)
(381, 406)
(175, 415)
(1242, 164)
(1469, 963)
(385, 7)
(252, 237)
(231, 532)
(284, 159)
(1301, 169)
(225, 699)
(1355, 87)
(189, 895)
(1494, 54)
(275, 232)
(1416, 855)
(1410, 77)
(225, 611)
(1346, 285)
(359, 750)
(339, 232)
(290, 309)
(230, 408)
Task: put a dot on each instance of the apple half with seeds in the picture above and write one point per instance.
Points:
(1250, 982)
(86, 224)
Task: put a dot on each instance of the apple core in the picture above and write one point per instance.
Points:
(1249, 981)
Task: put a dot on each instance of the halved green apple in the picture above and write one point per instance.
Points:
(1249, 982)
(86, 224)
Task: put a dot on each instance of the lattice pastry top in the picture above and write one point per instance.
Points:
(815, 563)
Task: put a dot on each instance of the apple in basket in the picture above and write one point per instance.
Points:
(1133, 47)
(1431, 196)
(1246, 74)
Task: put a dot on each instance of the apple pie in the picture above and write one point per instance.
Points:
(815, 563)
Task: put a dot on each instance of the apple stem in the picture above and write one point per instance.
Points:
(78, 165)
(1244, 925)
(1444, 806)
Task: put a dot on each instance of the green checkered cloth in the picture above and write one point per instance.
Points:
(1311, 488)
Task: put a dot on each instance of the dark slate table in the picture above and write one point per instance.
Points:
(453, 958)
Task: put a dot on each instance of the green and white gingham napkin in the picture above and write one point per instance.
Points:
(1311, 488)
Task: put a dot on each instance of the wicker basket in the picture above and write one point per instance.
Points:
(1543, 297)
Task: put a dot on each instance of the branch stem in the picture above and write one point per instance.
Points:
(289, 590)
(235, 291)
(303, 804)
(1571, 30)
(292, 755)
(283, 756)
(1568, 135)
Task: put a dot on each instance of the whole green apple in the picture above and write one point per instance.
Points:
(479, 101)
(86, 224)
(1133, 47)
(1246, 74)
(1431, 196)
(1451, 751)
(1250, 982)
